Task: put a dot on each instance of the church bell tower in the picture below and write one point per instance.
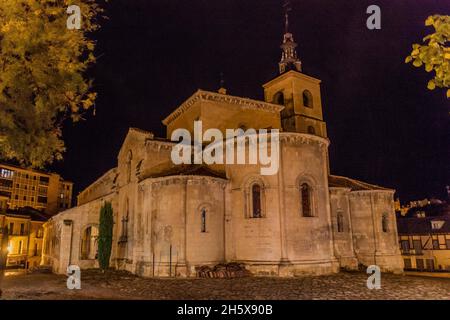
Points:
(298, 92)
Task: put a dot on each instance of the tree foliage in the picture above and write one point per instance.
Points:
(105, 235)
(434, 55)
(43, 78)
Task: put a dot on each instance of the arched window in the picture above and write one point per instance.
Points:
(307, 99)
(340, 222)
(89, 243)
(278, 98)
(385, 222)
(129, 158)
(256, 201)
(311, 130)
(305, 190)
(203, 220)
(125, 217)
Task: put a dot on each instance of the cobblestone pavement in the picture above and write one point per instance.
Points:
(121, 285)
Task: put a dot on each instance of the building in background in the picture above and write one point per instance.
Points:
(424, 235)
(25, 232)
(20, 188)
(414, 206)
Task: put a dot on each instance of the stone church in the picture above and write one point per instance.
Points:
(172, 219)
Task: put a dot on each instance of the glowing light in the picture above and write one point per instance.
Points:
(10, 248)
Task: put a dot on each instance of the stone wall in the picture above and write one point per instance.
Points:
(283, 241)
(373, 245)
(158, 220)
(63, 235)
(343, 233)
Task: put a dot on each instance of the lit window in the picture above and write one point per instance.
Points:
(5, 173)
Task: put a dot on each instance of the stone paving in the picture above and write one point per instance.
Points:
(121, 285)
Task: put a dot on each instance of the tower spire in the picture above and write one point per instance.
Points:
(289, 59)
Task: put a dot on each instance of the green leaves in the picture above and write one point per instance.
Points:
(434, 54)
(43, 76)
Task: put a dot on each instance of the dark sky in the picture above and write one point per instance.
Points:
(385, 126)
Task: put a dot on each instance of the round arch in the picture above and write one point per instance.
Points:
(89, 242)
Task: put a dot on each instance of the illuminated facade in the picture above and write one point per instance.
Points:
(25, 233)
(425, 242)
(21, 188)
(172, 220)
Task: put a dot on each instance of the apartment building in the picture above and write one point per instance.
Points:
(20, 188)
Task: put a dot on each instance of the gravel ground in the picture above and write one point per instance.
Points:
(122, 285)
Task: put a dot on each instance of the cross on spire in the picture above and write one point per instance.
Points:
(287, 8)
(222, 89)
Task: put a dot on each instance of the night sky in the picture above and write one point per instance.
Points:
(385, 127)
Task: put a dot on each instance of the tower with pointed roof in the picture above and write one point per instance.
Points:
(298, 92)
(289, 59)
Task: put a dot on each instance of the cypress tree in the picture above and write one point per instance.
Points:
(105, 236)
